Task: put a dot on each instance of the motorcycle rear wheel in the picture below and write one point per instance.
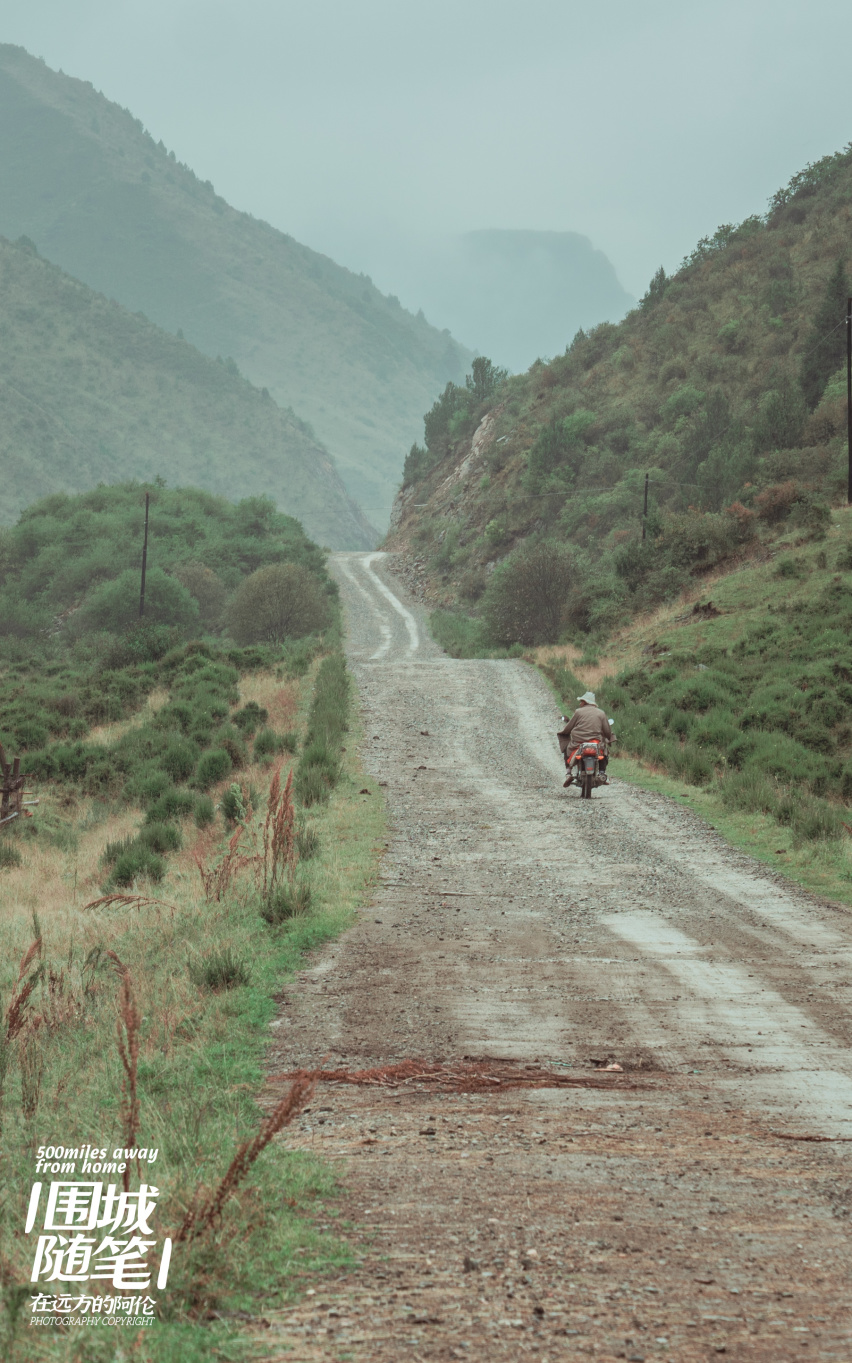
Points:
(586, 792)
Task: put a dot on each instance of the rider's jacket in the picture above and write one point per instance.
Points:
(586, 723)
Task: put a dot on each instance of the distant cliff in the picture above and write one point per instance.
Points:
(517, 296)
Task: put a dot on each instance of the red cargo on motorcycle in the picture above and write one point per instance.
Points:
(585, 766)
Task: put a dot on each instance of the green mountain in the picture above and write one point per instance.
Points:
(90, 393)
(725, 386)
(90, 187)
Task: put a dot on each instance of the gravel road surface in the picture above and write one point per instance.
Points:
(676, 1212)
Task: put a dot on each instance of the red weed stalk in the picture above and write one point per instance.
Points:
(125, 901)
(201, 1216)
(217, 879)
(279, 833)
(16, 1013)
(127, 1028)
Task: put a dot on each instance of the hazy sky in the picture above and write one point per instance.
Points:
(359, 124)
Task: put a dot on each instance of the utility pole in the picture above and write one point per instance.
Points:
(144, 559)
(645, 503)
(849, 395)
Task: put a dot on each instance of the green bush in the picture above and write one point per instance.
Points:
(715, 730)
(250, 718)
(286, 902)
(205, 811)
(699, 693)
(692, 766)
(161, 837)
(234, 801)
(136, 863)
(560, 446)
(267, 744)
(533, 595)
(231, 741)
(114, 606)
(281, 601)
(459, 635)
(172, 804)
(179, 759)
(213, 767)
(206, 588)
(751, 791)
(114, 850)
(328, 719)
(307, 843)
(418, 462)
(30, 734)
(222, 969)
(790, 567)
(683, 402)
(318, 758)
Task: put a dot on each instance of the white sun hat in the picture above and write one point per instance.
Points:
(589, 698)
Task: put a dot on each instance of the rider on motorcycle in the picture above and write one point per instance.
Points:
(587, 724)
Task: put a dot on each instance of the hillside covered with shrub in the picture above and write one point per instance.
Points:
(192, 828)
(746, 699)
(521, 515)
(146, 711)
(71, 566)
(91, 393)
(83, 179)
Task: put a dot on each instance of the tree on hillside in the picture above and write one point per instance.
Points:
(559, 446)
(825, 347)
(656, 289)
(436, 423)
(484, 378)
(533, 595)
(208, 590)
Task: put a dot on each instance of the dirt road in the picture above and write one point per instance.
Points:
(665, 1214)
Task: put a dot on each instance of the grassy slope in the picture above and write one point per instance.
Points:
(90, 393)
(767, 642)
(691, 387)
(97, 195)
(201, 1054)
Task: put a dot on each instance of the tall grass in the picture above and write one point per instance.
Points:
(319, 766)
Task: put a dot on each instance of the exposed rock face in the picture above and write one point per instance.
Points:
(401, 502)
(483, 436)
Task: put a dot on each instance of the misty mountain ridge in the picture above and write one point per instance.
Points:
(515, 295)
(93, 394)
(84, 180)
(521, 295)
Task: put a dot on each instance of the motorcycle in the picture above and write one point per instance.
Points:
(584, 767)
